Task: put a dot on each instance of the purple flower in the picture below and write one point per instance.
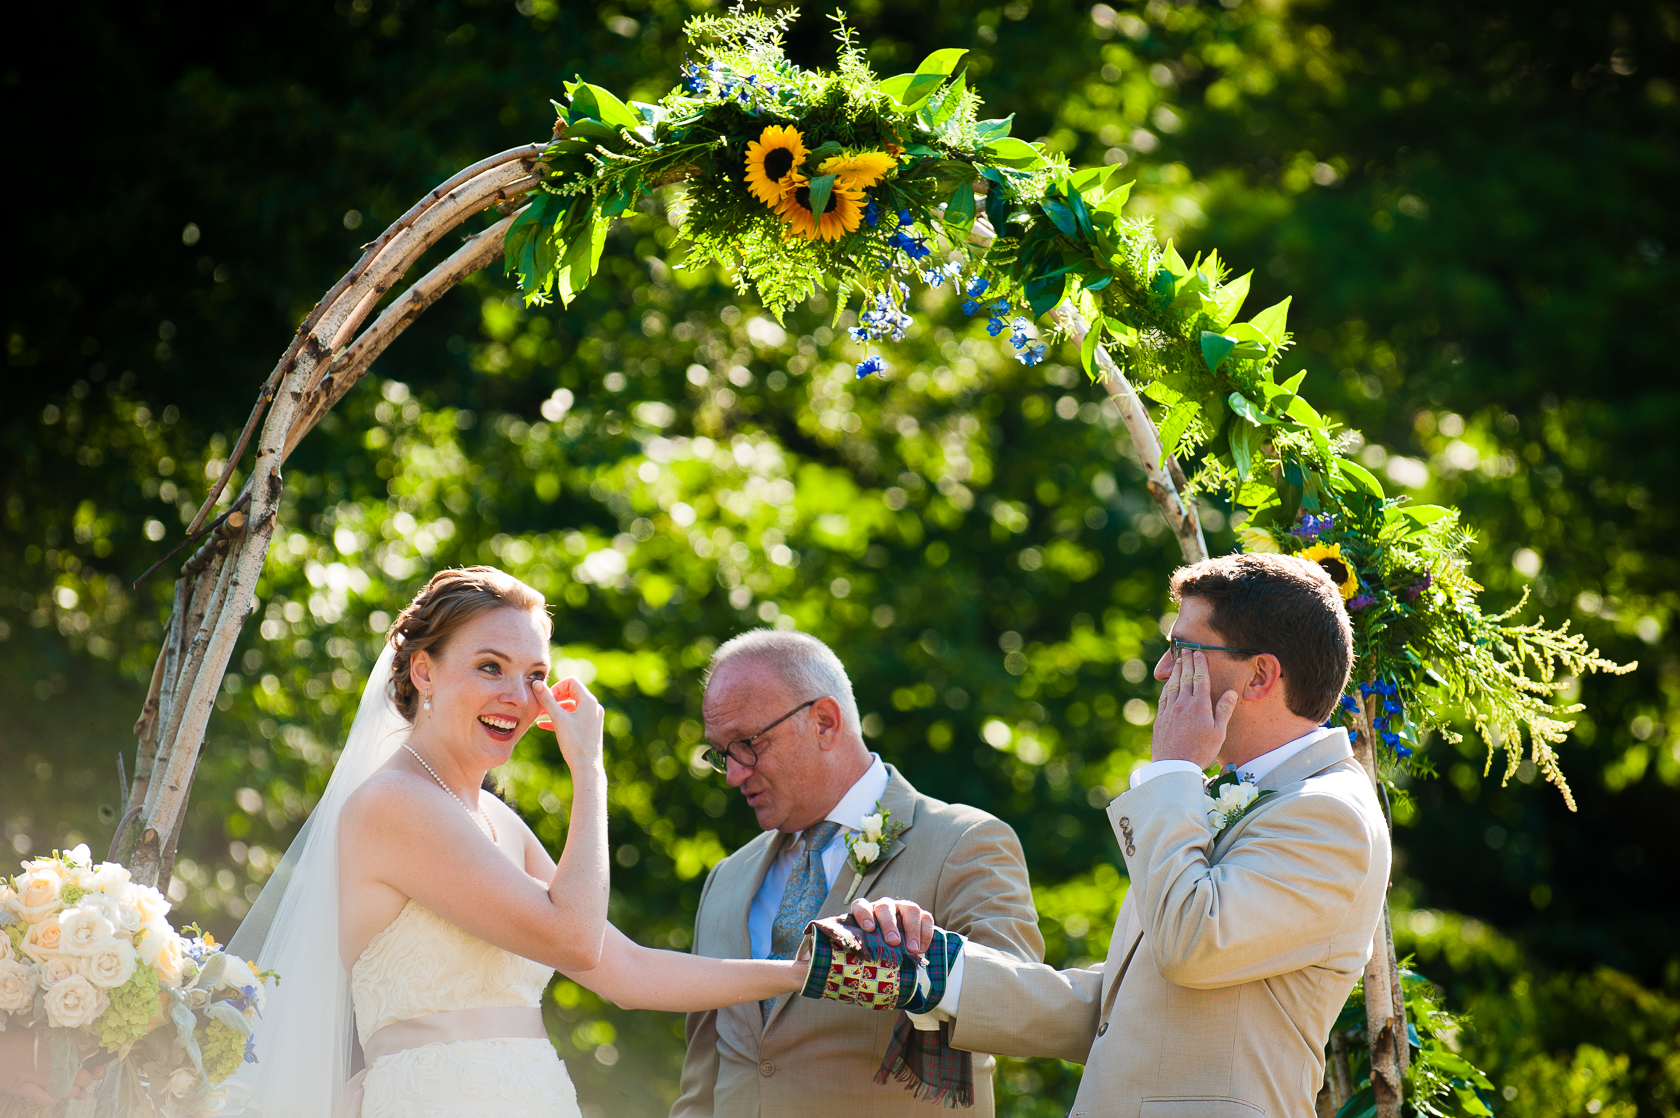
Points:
(1361, 601)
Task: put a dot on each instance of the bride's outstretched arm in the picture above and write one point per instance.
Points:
(636, 977)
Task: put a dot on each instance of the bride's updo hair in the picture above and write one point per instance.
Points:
(450, 600)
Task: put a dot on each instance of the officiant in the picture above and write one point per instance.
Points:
(838, 822)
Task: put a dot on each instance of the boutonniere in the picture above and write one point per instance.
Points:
(1229, 798)
(864, 846)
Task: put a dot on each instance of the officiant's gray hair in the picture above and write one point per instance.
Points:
(807, 665)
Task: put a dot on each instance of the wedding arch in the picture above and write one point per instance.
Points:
(798, 180)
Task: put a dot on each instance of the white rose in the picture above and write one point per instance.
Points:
(42, 941)
(111, 966)
(75, 1003)
(57, 969)
(79, 855)
(871, 826)
(37, 894)
(866, 852)
(17, 986)
(182, 1083)
(153, 905)
(5, 946)
(113, 911)
(84, 930)
(111, 878)
(160, 949)
(237, 973)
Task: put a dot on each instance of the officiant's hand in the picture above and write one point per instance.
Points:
(578, 718)
(1189, 725)
(894, 917)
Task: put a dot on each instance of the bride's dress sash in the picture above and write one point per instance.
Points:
(492, 1023)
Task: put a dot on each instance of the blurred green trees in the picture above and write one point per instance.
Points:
(1468, 205)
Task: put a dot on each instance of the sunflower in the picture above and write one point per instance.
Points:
(839, 217)
(1329, 556)
(858, 171)
(772, 163)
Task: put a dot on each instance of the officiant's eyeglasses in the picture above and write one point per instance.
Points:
(1176, 646)
(743, 749)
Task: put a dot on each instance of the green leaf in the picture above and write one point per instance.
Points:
(821, 187)
(1244, 407)
(1097, 284)
(1123, 333)
(1081, 214)
(1306, 413)
(1013, 152)
(1293, 384)
(1174, 263)
(960, 210)
(989, 130)
(1177, 422)
(826, 151)
(1360, 475)
(1242, 448)
(593, 101)
(1230, 300)
(1061, 215)
(1270, 322)
(948, 101)
(1215, 348)
(1424, 515)
(1088, 350)
(942, 62)
(1159, 391)
(65, 1062)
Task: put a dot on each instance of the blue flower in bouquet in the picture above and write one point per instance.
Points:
(976, 288)
(916, 248)
(996, 326)
(250, 1050)
(1382, 721)
(693, 79)
(871, 364)
(1032, 355)
(872, 213)
(1311, 527)
(1001, 307)
(970, 307)
(1018, 336)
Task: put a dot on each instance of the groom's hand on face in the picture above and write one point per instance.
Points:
(904, 920)
(1189, 725)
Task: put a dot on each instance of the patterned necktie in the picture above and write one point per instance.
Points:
(802, 899)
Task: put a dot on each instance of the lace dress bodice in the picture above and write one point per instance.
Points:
(421, 964)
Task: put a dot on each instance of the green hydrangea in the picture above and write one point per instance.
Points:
(133, 1004)
(71, 893)
(15, 933)
(223, 1048)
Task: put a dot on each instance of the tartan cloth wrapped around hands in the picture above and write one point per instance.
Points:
(851, 965)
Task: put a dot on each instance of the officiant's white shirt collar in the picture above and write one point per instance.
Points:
(1254, 769)
(859, 800)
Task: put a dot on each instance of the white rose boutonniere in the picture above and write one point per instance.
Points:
(1228, 799)
(865, 845)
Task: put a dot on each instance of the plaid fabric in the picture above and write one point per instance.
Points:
(851, 965)
(925, 1062)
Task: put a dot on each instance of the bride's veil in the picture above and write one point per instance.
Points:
(304, 1038)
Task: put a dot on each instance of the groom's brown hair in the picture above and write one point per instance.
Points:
(1285, 606)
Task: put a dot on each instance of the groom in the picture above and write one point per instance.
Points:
(1236, 947)
(783, 726)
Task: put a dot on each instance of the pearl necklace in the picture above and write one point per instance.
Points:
(458, 799)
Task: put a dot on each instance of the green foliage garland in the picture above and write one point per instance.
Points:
(1427, 654)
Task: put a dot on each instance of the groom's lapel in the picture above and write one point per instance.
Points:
(1315, 758)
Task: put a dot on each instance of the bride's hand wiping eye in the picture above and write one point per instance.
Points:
(576, 717)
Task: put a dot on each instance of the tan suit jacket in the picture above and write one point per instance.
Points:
(1229, 961)
(962, 864)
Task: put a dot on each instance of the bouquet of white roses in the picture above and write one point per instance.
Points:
(90, 964)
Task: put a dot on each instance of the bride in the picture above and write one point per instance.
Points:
(423, 919)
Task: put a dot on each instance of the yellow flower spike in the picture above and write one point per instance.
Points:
(773, 162)
(842, 215)
(1329, 556)
(858, 171)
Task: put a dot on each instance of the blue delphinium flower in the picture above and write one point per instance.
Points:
(915, 248)
(1382, 722)
(872, 213)
(1018, 336)
(693, 79)
(970, 307)
(996, 326)
(1001, 307)
(976, 288)
(871, 364)
(1311, 527)
(1032, 355)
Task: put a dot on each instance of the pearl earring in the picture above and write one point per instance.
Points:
(428, 703)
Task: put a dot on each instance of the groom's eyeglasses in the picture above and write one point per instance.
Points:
(743, 750)
(1176, 646)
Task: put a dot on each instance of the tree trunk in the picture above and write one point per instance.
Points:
(1385, 1007)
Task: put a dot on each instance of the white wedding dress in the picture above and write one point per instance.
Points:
(418, 966)
(421, 964)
